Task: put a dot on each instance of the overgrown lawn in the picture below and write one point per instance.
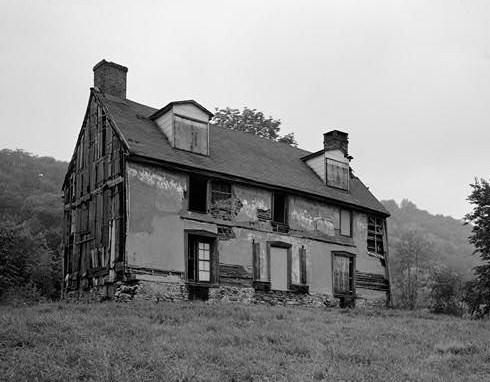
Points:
(227, 342)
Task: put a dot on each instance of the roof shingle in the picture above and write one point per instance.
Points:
(232, 153)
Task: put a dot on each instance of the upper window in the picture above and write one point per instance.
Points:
(343, 273)
(220, 191)
(198, 193)
(375, 235)
(279, 209)
(337, 174)
(345, 223)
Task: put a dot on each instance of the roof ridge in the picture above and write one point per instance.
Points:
(268, 140)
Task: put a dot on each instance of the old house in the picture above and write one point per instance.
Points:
(159, 202)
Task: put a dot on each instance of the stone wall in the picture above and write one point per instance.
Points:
(171, 291)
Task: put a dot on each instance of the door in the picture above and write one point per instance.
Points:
(279, 268)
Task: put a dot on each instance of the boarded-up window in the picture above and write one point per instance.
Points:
(343, 273)
(337, 174)
(298, 267)
(279, 268)
(256, 260)
(345, 223)
(375, 235)
(302, 266)
(220, 191)
(191, 135)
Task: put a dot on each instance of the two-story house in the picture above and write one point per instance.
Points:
(184, 209)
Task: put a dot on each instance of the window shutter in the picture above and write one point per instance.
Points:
(302, 265)
(256, 260)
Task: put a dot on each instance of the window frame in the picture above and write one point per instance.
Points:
(198, 236)
(352, 275)
(213, 192)
(275, 196)
(376, 236)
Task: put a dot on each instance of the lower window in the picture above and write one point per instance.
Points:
(200, 259)
(343, 269)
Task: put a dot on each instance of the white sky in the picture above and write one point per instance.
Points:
(408, 80)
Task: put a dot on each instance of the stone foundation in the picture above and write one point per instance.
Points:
(157, 291)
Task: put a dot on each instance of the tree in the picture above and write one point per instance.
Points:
(409, 273)
(445, 291)
(479, 290)
(254, 122)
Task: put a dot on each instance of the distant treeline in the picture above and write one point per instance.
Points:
(31, 218)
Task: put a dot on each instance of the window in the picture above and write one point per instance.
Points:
(345, 223)
(200, 259)
(337, 174)
(279, 209)
(375, 236)
(220, 191)
(343, 273)
(198, 187)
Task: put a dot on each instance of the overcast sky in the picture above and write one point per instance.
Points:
(408, 80)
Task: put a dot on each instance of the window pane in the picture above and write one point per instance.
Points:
(204, 276)
(204, 266)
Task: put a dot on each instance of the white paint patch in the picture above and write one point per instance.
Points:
(249, 208)
(156, 180)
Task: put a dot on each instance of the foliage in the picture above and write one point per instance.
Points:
(409, 274)
(254, 122)
(31, 215)
(478, 292)
(446, 292)
(196, 341)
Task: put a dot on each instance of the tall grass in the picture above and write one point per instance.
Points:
(200, 342)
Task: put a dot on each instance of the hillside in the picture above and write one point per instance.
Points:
(31, 214)
(447, 237)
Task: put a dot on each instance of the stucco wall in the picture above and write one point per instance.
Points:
(155, 229)
(158, 217)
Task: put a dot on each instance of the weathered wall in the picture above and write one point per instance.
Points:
(155, 229)
(256, 203)
(364, 262)
(158, 217)
(313, 216)
(94, 203)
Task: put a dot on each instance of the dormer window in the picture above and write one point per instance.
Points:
(186, 126)
(337, 174)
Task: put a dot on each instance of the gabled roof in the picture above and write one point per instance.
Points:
(231, 153)
(167, 107)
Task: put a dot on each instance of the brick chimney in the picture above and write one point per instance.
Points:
(110, 78)
(336, 140)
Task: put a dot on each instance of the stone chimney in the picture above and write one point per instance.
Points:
(336, 140)
(110, 78)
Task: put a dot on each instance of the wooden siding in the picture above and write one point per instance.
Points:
(94, 198)
(165, 122)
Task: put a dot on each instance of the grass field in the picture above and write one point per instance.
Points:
(201, 342)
